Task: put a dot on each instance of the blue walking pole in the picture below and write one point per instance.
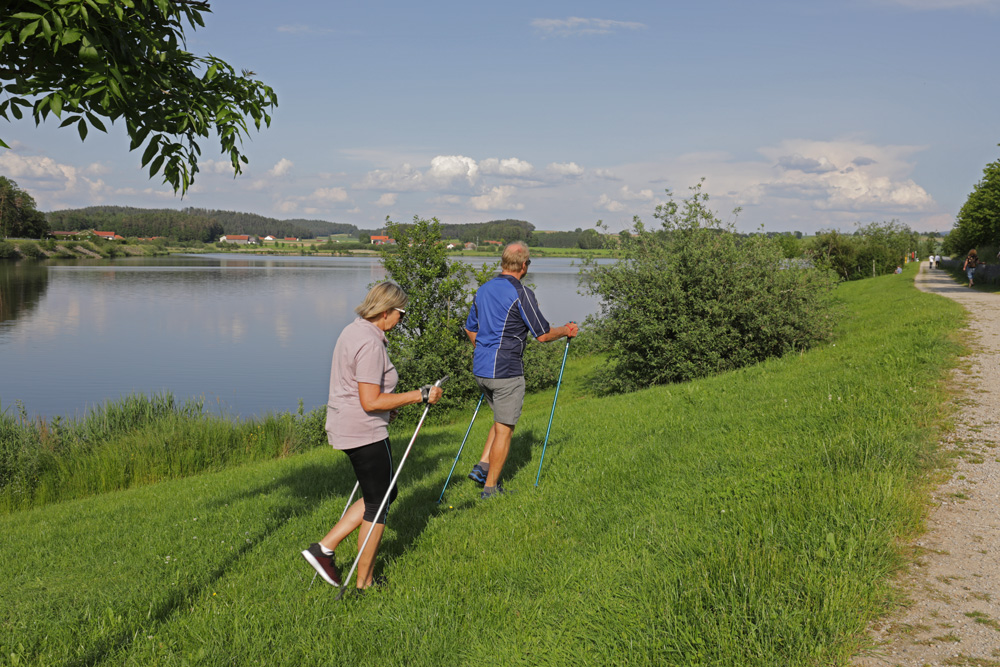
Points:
(469, 430)
(552, 414)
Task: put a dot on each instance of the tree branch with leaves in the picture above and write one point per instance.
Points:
(90, 61)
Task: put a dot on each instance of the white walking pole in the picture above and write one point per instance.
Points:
(385, 500)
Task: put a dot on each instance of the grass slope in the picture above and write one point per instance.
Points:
(747, 519)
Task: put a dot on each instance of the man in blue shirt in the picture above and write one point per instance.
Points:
(503, 313)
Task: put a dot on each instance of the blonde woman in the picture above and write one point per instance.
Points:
(361, 404)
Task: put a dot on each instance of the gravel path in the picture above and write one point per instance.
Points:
(953, 589)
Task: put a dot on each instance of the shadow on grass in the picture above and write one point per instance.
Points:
(310, 488)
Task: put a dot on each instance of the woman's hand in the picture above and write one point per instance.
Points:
(435, 395)
(392, 415)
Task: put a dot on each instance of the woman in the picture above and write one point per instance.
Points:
(361, 404)
(970, 264)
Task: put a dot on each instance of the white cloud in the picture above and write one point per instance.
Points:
(404, 178)
(575, 25)
(497, 199)
(44, 172)
(565, 168)
(643, 195)
(606, 174)
(387, 199)
(808, 165)
(283, 166)
(446, 169)
(831, 174)
(606, 203)
(216, 167)
(288, 206)
(329, 195)
(506, 167)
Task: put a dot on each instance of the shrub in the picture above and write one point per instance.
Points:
(31, 250)
(430, 342)
(874, 249)
(8, 250)
(694, 298)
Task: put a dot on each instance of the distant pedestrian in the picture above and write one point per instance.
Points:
(971, 262)
(937, 261)
(899, 269)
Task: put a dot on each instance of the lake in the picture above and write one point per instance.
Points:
(250, 334)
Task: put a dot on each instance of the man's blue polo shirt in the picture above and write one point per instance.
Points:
(503, 313)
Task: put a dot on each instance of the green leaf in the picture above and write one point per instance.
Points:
(3, 144)
(70, 36)
(96, 122)
(155, 167)
(26, 15)
(150, 150)
(69, 120)
(28, 30)
(82, 129)
(139, 136)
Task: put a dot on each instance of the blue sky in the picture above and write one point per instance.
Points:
(808, 115)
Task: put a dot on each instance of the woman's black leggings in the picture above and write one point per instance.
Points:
(373, 467)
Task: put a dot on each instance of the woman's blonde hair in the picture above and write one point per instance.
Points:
(380, 298)
(514, 256)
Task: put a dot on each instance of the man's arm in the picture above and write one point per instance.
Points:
(471, 335)
(555, 333)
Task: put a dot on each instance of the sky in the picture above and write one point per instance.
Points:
(804, 114)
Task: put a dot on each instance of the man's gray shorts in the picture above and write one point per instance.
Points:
(505, 396)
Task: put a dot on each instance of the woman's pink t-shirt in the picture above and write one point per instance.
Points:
(359, 356)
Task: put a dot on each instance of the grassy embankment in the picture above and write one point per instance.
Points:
(747, 519)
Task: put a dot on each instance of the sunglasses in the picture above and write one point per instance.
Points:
(527, 263)
(402, 313)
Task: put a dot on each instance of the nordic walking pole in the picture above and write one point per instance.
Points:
(350, 498)
(552, 414)
(385, 500)
(461, 447)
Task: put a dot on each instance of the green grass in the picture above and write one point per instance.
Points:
(747, 519)
(135, 441)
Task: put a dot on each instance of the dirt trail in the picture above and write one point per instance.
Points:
(953, 617)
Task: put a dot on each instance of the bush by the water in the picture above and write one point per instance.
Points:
(8, 250)
(134, 441)
(874, 249)
(694, 298)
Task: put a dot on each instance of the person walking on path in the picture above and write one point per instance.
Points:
(360, 407)
(970, 265)
(503, 313)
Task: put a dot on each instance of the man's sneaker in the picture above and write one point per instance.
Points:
(325, 565)
(478, 475)
(497, 490)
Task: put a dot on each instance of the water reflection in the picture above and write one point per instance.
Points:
(22, 286)
(250, 334)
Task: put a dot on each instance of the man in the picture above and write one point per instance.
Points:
(503, 313)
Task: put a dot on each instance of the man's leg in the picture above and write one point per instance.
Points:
(485, 458)
(501, 435)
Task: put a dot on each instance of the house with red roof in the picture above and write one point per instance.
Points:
(239, 239)
(383, 240)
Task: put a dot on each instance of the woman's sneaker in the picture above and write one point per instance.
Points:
(325, 566)
(478, 475)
